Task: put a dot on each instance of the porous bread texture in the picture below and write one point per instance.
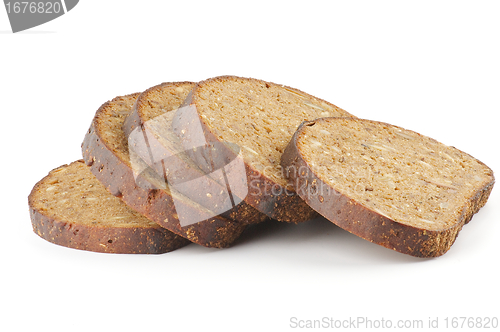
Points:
(109, 121)
(70, 207)
(259, 116)
(105, 150)
(389, 185)
(408, 177)
(255, 120)
(152, 114)
(156, 101)
(150, 117)
(73, 193)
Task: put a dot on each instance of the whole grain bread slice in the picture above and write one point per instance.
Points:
(230, 116)
(71, 208)
(150, 136)
(105, 150)
(386, 184)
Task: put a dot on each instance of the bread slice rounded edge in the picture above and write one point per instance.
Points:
(155, 204)
(368, 224)
(282, 204)
(117, 240)
(134, 119)
(242, 212)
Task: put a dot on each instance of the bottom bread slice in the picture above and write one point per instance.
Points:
(386, 184)
(71, 208)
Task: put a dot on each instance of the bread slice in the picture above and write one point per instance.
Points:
(386, 184)
(150, 136)
(105, 150)
(259, 117)
(71, 208)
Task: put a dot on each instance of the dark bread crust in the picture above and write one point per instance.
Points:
(264, 194)
(156, 204)
(242, 212)
(113, 239)
(368, 224)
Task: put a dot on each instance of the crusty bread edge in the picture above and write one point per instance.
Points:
(134, 119)
(368, 224)
(118, 240)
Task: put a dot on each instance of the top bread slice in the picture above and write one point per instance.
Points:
(388, 185)
(227, 116)
(105, 150)
(71, 208)
(148, 128)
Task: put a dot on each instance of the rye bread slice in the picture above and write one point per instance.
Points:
(386, 184)
(223, 114)
(150, 136)
(105, 150)
(71, 208)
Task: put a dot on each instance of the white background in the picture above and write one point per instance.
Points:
(430, 66)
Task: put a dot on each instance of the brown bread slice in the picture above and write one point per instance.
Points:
(105, 150)
(71, 208)
(260, 118)
(388, 185)
(148, 128)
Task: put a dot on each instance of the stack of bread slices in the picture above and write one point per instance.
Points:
(199, 162)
